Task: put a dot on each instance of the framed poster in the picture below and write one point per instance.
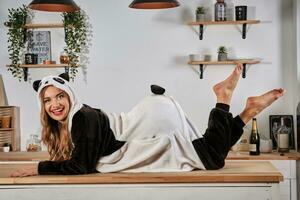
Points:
(275, 124)
(40, 43)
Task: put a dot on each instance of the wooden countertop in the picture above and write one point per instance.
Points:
(42, 155)
(233, 172)
(23, 156)
(243, 155)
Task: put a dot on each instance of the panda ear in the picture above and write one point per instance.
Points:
(65, 76)
(36, 85)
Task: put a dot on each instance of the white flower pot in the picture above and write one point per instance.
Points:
(200, 17)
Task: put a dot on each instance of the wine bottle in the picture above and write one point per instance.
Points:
(283, 133)
(254, 142)
(220, 10)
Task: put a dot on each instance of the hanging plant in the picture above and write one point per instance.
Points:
(16, 38)
(75, 25)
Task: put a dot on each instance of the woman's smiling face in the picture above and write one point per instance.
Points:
(56, 103)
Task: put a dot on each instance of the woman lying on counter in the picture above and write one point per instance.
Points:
(155, 136)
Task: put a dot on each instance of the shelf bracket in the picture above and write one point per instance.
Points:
(201, 31)
(244, 70)
(244, 31)
(67, 69)
(25, 71)
(201, 71)
(25, 35)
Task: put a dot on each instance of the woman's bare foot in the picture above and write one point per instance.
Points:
(224, 89)
(256, 104)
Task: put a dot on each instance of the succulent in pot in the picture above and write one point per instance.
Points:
(200, 14)
(222, 53)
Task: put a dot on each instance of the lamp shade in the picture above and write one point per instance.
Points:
(153, 4)
(54, 5)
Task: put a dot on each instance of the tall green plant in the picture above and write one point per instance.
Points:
(75, 38)
(16, 38)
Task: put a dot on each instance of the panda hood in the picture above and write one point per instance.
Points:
(61, 82)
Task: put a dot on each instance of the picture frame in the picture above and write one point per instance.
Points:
(274, 124)
(40, 43)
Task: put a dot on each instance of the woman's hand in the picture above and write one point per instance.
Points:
(28, 171)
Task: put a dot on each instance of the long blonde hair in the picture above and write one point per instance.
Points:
(55, 135)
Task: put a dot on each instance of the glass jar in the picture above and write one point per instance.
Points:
(64, 58)
(33, 143)
(220, 10)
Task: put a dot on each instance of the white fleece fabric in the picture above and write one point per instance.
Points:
(158, 138)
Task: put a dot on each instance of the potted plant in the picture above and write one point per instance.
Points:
(222, 53)
(16, 38)
(200, 14)
(75, 25)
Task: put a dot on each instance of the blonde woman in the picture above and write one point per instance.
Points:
(155, 136)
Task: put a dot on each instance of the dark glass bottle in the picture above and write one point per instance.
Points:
(254, 142)
(220, 10)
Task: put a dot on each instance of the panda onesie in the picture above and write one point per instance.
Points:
(155, 136)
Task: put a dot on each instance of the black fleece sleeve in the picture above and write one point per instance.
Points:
(87, 133)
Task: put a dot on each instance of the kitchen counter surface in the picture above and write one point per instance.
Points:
(23, 156)
(233, 172)
(42, 155)
(244, 155)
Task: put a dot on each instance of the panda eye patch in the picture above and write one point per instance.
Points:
(59, 80)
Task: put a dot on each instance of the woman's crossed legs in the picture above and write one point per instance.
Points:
(223, 130)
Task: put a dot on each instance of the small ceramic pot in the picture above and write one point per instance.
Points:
(195, 57)
(200, 17)
(222, 56)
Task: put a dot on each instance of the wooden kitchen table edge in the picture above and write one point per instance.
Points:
(43, 155)
(233, 172)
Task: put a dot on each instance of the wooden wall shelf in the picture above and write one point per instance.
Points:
(225, 22)
(49, 25)
(244, 62)
(39, 25)
(206, 23)
(25, 67)
(41, 65)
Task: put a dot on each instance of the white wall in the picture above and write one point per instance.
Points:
(135, 48)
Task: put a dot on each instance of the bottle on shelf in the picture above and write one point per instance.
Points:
(33, 143)
(220, 10)
(282, 136)
(64, 58)
(254, 142)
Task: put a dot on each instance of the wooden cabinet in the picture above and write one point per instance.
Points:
(11, 134)
(287, 188)
(286, 164)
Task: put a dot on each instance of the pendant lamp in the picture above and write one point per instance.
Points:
(54, 5)
(153, 4)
